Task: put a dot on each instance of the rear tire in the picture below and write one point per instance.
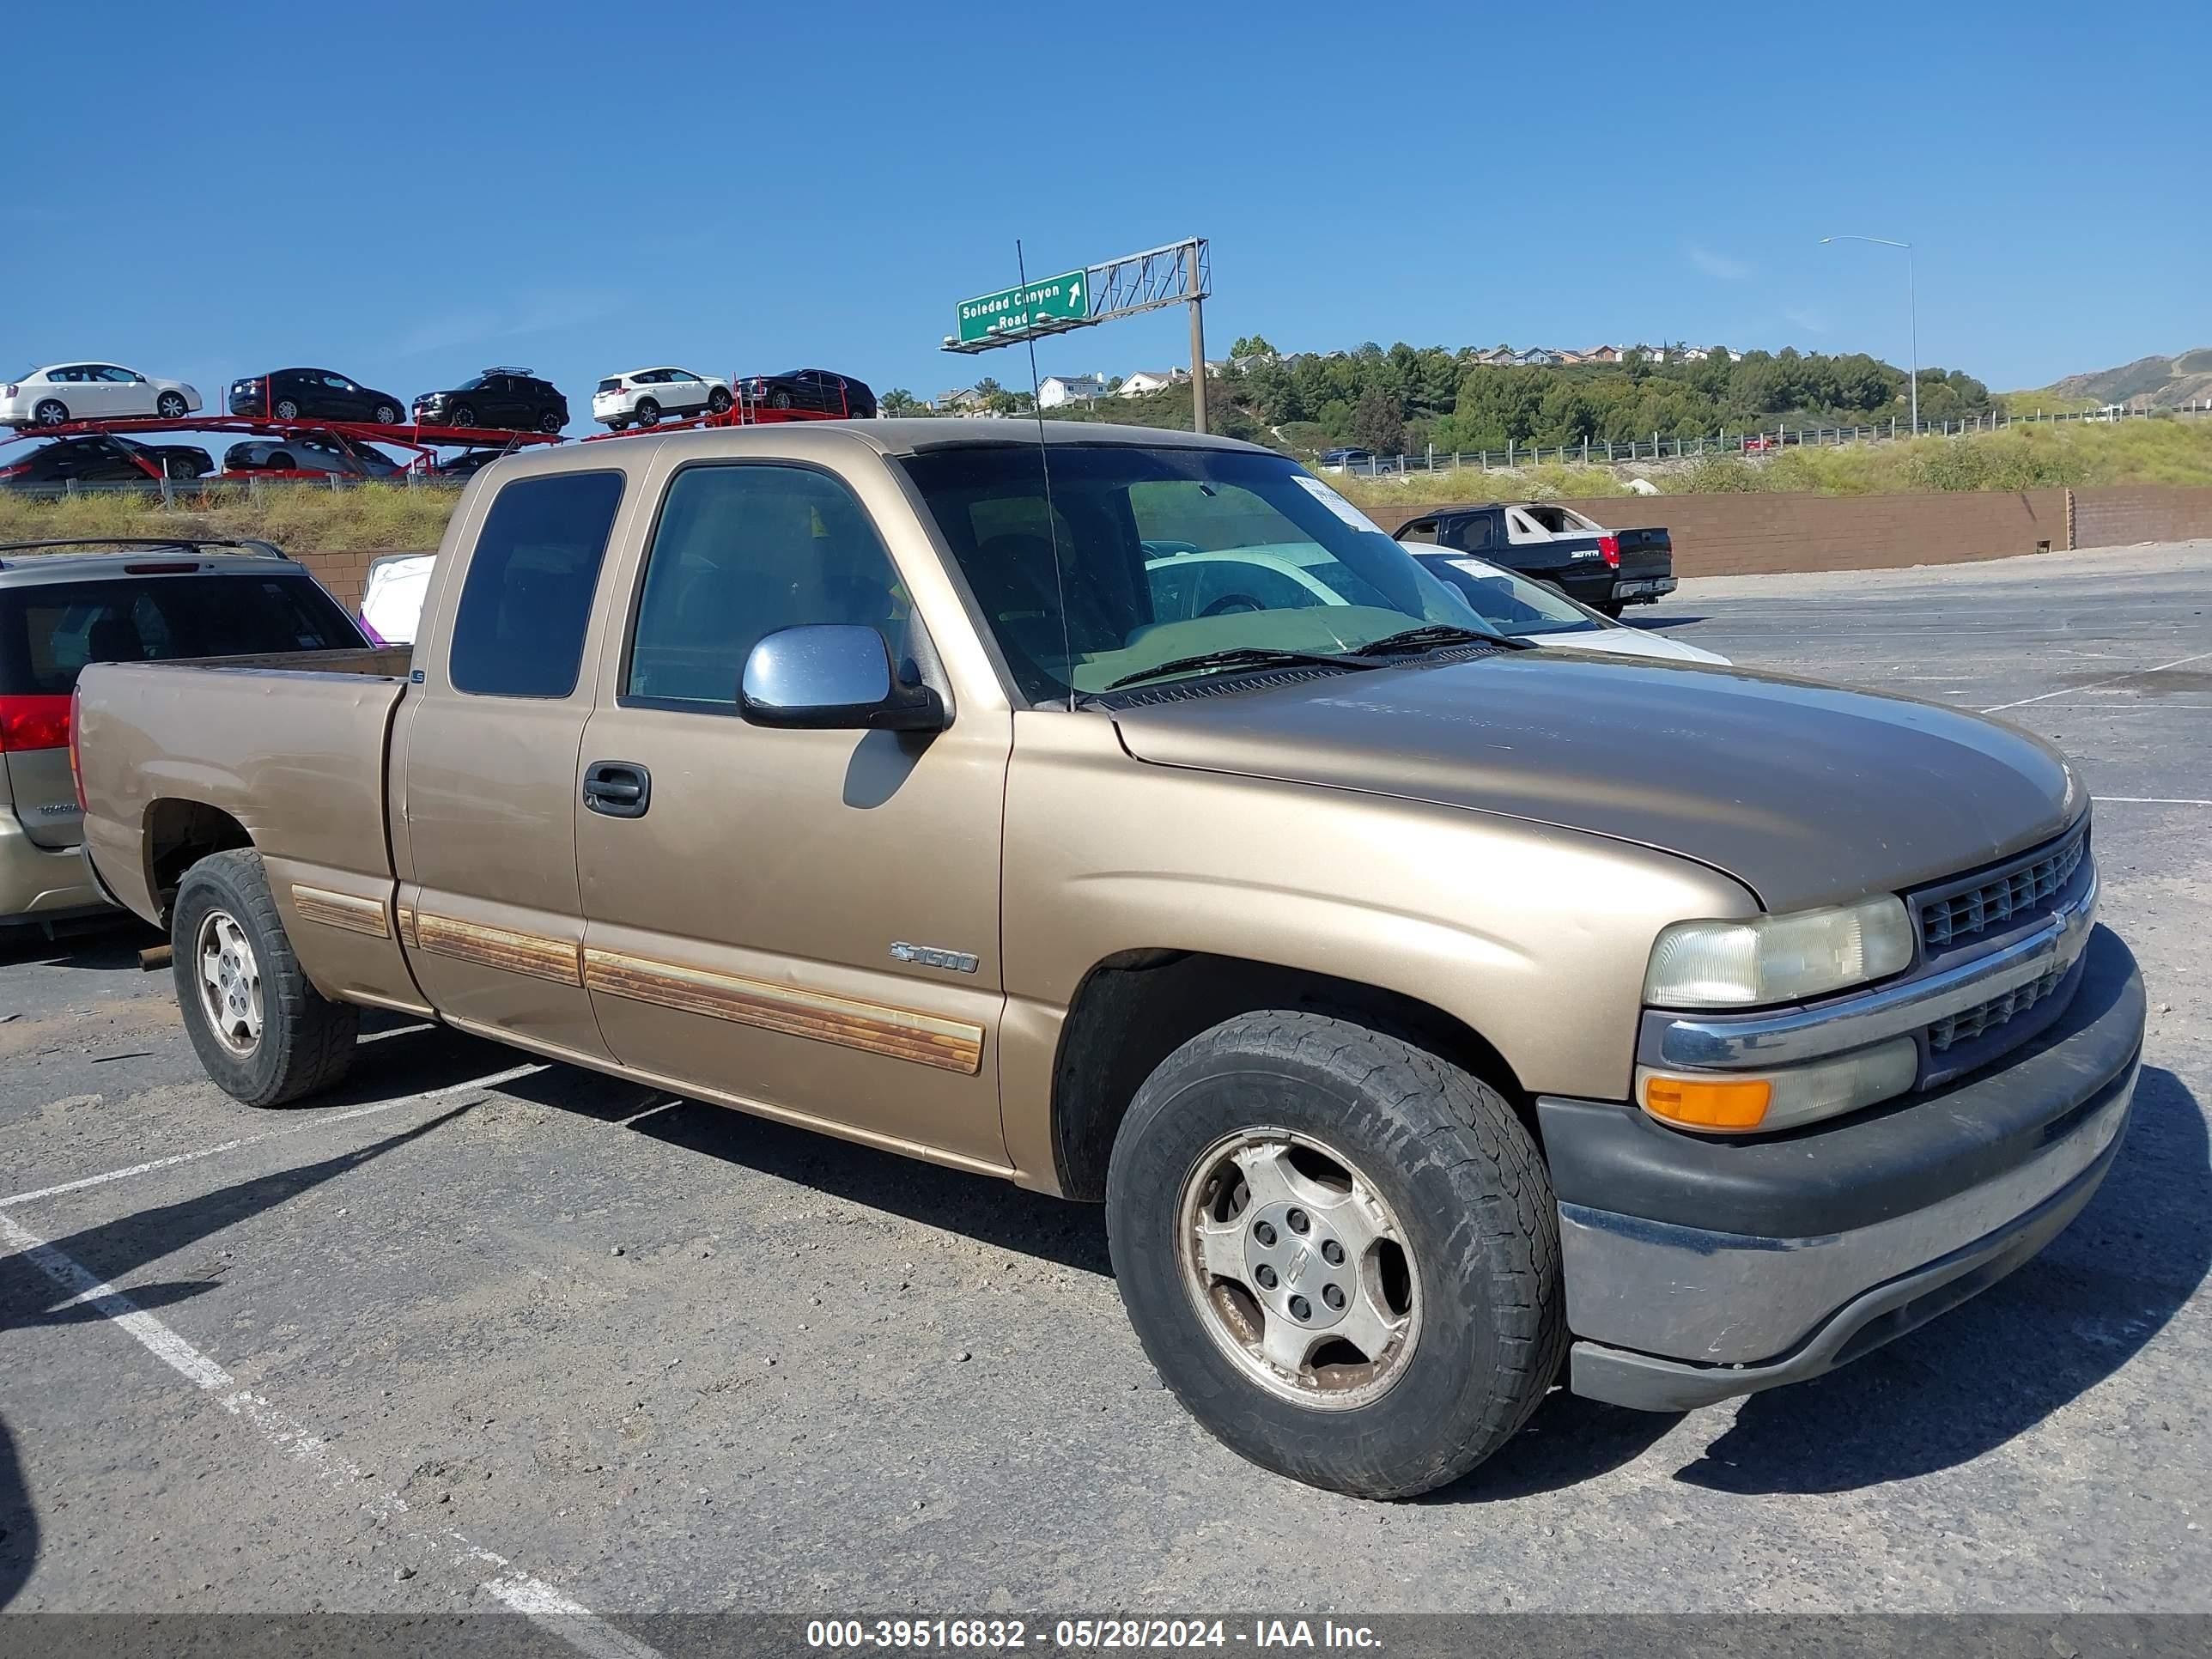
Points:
(50, 411)
(647, 412)
(287, 409)
(264, 1034)
(1428, 1162)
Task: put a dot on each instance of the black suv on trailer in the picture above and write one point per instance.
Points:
(504, 399)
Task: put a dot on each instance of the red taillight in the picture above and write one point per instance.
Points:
(1609, 548)
(16, 470)
(34, 722)
(10, 391)
(171, 567)
(76, 757)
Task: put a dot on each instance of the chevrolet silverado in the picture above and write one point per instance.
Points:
(1439, 1019)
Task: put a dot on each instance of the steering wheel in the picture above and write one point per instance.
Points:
(1229, 604)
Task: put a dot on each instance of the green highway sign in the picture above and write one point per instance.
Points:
(1065, 298)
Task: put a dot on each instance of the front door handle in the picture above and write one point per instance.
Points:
(617, 789)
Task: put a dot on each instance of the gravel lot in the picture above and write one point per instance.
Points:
(410, 1351)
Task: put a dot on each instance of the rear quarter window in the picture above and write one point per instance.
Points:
(527, 600)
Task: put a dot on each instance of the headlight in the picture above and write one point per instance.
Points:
(1741, 965)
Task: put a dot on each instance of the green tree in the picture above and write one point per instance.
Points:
(899, 401)
(1378, 423)
(1253, 345)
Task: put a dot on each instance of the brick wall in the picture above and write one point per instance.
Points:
(345, 574)
(2118, 516)
(1743, 535)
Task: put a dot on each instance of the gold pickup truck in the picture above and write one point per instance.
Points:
(1439, 1019)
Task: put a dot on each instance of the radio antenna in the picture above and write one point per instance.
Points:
(1051, 518)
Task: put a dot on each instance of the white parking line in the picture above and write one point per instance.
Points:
(2152, 800)
(175, 1158)
(2065, 691)
(571, 1621)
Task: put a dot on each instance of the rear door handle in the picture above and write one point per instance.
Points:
(617, 789)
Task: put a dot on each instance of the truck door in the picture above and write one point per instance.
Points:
(486, 766)
(805, 922)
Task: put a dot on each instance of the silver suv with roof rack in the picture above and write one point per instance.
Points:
(65, 604)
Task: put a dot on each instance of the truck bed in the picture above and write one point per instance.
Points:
(289, 746)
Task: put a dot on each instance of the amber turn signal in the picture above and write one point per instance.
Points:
(1708, 1102)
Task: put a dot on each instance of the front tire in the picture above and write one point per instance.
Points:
(1340, 1251)
(170, 406)
(461, 416)
(264, 1034)
(550, 421)
(718, 402)
(386, 415)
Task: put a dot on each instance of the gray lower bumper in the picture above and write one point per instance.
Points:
(1697, 1269)
(1648, 1382)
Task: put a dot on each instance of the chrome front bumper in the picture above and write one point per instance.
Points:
(1697, 1269)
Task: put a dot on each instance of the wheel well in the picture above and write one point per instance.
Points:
(1136, 1008)
(178, 835)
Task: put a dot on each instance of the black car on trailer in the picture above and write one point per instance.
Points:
(313, 394)
(504, 399)
(815, 390)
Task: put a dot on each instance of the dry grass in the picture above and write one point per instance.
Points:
(2076, 455)
(300, 516)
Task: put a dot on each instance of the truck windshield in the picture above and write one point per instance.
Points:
(50, 631)
(1163, 554)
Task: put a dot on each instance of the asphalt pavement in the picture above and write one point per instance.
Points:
(561, 1344)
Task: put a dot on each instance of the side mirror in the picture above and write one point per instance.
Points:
(832, 677)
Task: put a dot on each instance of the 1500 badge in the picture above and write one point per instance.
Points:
(928, 956)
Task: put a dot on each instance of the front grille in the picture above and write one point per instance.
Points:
(2026, 887)
(1970, 1023)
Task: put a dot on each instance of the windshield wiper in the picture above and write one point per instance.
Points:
(1239, 656)
(1429, 636)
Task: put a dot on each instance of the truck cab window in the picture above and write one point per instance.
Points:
(740, 552)
(519, 631)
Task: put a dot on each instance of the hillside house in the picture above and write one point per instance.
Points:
(1054, 390)
(1140, 381)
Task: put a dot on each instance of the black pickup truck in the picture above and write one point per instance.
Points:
(1606, 570)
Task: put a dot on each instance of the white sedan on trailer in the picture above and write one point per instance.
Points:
(91, 391)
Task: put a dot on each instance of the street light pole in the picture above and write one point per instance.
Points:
(1912, 311)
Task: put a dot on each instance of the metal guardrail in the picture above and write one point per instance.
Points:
(1659, 447)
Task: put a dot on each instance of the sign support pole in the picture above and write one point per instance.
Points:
(1197, 365)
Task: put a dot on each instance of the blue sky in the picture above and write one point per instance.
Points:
(408, 194)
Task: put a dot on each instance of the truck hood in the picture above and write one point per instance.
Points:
(1807, 794)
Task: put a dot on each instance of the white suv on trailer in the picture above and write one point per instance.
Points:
(644, 396)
